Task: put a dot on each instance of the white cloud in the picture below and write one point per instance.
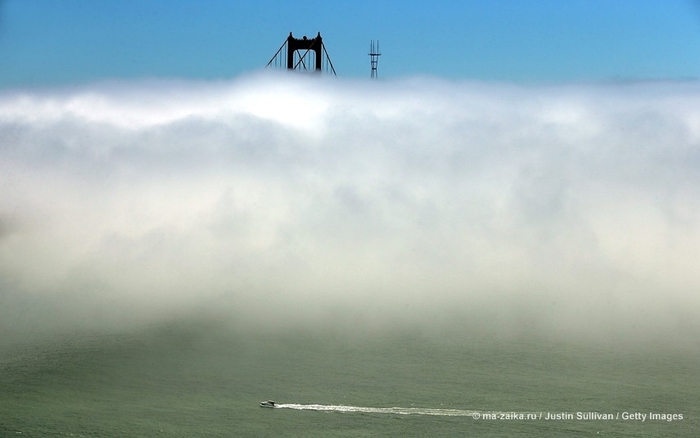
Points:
(569, 209)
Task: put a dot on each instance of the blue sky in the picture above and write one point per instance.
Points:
(47, 43)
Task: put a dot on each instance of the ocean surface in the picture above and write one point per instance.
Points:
(199, 378)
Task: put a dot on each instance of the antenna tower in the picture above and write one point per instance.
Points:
(374, 58)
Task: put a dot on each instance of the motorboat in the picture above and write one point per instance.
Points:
(268, 404)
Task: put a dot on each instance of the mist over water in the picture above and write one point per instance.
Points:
(289, 201)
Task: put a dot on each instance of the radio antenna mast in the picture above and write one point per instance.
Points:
(374, 58)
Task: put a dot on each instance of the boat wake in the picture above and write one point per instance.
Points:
(392, 410)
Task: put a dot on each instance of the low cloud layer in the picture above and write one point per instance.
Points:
(287, 200)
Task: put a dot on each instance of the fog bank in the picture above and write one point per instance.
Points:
(287, 200)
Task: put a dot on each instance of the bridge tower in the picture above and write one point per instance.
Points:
(305, 54)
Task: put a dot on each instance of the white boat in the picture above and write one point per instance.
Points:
(268, 404)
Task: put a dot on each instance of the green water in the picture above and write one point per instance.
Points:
(203, 380)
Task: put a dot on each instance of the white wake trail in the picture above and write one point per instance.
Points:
(392, 410)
